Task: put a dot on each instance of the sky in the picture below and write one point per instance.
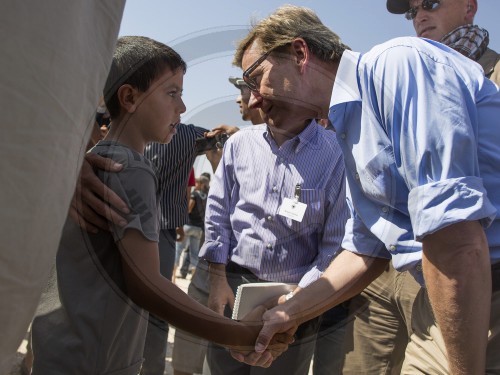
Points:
(205, 34)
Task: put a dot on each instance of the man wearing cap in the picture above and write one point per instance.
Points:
(252, 115)
(386, 318)
(451, 22)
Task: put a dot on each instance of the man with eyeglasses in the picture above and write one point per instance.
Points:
(418, 126)
(385, 306)
(276, 211)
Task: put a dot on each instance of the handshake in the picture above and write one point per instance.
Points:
(275, 333)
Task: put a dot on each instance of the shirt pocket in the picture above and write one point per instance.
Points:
(315, 212)
(378, 177)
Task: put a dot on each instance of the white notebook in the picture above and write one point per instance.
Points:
(249, 296)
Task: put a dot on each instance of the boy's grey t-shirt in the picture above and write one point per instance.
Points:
(98, 329)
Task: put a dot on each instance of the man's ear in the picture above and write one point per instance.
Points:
(127, 96)
(471, 11)
(300, 53)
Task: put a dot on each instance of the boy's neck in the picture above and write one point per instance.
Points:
(125, 131)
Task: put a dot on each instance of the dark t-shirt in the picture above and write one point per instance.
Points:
(97, 329)
(197, 214)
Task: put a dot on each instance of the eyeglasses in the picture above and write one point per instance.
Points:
(426, 5)
(251, 83)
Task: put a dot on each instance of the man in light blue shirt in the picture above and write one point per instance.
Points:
(250, 237)
(418, 125)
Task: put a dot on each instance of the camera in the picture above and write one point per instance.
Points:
(204, 144)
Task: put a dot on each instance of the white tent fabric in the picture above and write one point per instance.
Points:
(54, 59)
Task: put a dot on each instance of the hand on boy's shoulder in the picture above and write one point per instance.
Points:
(91, 204)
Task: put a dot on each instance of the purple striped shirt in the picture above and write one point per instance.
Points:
(254, 176)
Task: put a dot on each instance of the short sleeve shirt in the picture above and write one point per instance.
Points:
(98, 329)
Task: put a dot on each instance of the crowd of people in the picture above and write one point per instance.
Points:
(370, 181)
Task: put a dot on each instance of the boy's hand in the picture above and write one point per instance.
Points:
(91, 206)
(278, 344)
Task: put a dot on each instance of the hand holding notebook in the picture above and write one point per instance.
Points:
(249, 296)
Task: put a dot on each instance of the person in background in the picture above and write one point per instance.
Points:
(193, 230)
(101, 125)
(181, 236)
(383, 326)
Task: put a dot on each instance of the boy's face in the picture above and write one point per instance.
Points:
(160, 110)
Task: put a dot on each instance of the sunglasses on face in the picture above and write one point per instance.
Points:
(428, 5)
(251, 83)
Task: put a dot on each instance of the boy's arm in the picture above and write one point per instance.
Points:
(150, 290)
(93, 202)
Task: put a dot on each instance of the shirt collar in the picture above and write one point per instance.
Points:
(346, 86)
(305, 137)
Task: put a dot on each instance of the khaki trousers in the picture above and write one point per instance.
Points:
(55, 56)
(376, 339)
(426, 353)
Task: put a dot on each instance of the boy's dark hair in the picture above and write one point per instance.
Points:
(137, 61)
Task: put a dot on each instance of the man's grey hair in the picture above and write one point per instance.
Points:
(285, 25)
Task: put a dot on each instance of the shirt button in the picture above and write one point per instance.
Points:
(269, 218)
(269, 246)
(419, 267)
(392, 248)
(343, 136)
(356, 176)
(385, 209)
(275, 189)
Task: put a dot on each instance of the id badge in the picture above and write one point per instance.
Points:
(293, 209)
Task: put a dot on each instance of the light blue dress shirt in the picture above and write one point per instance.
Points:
(419, 126)
(253, 178)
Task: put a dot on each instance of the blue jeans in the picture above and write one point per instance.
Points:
(192, 238)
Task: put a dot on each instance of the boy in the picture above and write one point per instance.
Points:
(106, 279)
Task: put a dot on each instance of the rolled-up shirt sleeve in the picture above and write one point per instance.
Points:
(436, 205)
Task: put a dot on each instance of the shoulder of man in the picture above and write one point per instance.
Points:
(490, 61)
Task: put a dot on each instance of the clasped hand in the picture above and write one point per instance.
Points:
(275, 335)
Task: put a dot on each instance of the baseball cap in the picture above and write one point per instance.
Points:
(237, 82)
(398, 6)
